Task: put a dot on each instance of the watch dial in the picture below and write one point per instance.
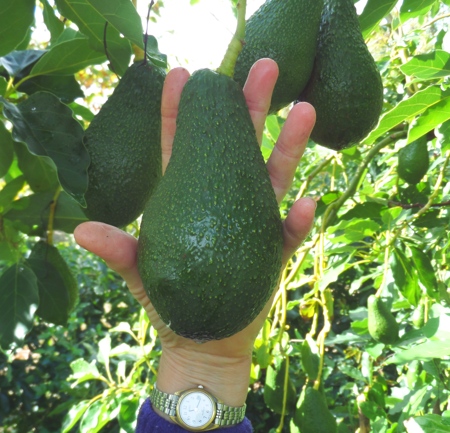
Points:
(196, 409)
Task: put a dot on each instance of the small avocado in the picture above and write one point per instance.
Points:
(345, 86)
(274, 388)
(413, 161)
(210, 244)
(382, 324)
(312, 414)
(124, 143)
(285, 31)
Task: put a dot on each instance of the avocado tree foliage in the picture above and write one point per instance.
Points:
(375, 233)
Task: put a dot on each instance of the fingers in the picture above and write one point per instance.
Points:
(289, 148)
(116, 248)
(258, 92)
(173, 85)
(297, 225)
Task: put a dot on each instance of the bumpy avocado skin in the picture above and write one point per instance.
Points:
(382, 324)
(345, 86)
(124, 143)
(285, 31)
(210, 244)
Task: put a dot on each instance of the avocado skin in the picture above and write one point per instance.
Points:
(124, 143)
(210, 245)
(312, 414)
(285, 31)
(382, 324)
(345, 86)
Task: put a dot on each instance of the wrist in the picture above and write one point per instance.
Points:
(225, 378)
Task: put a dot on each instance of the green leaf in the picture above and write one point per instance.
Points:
(67, 58)
(92, 24)
(3, 86)
(39, 171)
(432, 117)
(30, 214)
(430, 423)
(97, 416)
(6, 150)
(414, 8)
(424, 352)
(408, 109)
(404, 276)
(122, 15)
(54, 25)
(128, 414)
(58, 289)
(19, 63)
(425, 270)
(349, 231)
(16, 18)
(429, 66)
(65, 87)
(46, 125)
(74, 415)
(19, 299)
(9, 192)
(374, 12)
(310, 358)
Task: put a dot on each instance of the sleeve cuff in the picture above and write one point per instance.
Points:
(149, 421)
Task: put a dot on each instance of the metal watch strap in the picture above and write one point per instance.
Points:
(225, 415)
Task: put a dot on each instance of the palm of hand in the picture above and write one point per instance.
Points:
(118, 248)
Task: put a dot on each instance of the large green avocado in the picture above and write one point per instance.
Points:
(382, 324)
(285, 31)
(124, 143)
(210, 243)
(345, 86)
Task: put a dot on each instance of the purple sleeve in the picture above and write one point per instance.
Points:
(150, 422)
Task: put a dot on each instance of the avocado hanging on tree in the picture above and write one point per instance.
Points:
(345, 86)
(285, 31)
(382, 324)
(210, 244)
(124, 144)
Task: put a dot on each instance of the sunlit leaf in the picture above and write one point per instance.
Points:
(405, 277)
(9, 191)
(428, 66)
(122, 15)
(408, 109)
(373, 13)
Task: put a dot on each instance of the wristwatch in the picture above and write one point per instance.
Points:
(196, 409)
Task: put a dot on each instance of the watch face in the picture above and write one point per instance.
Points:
(196, 409)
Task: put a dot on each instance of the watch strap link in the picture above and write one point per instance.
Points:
(229, 415)
(163, 401)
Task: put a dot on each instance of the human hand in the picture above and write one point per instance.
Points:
(222, 366)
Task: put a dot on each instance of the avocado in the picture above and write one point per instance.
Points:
(274, 388)
(413, 161)
(58, 287)
(124, 143)
(285, 31)
(382, 324)
(210, 244)
(312, 414)
(345, 86)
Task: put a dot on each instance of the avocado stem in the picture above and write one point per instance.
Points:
(236, 44)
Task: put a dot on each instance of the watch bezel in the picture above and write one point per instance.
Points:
(213, 401)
